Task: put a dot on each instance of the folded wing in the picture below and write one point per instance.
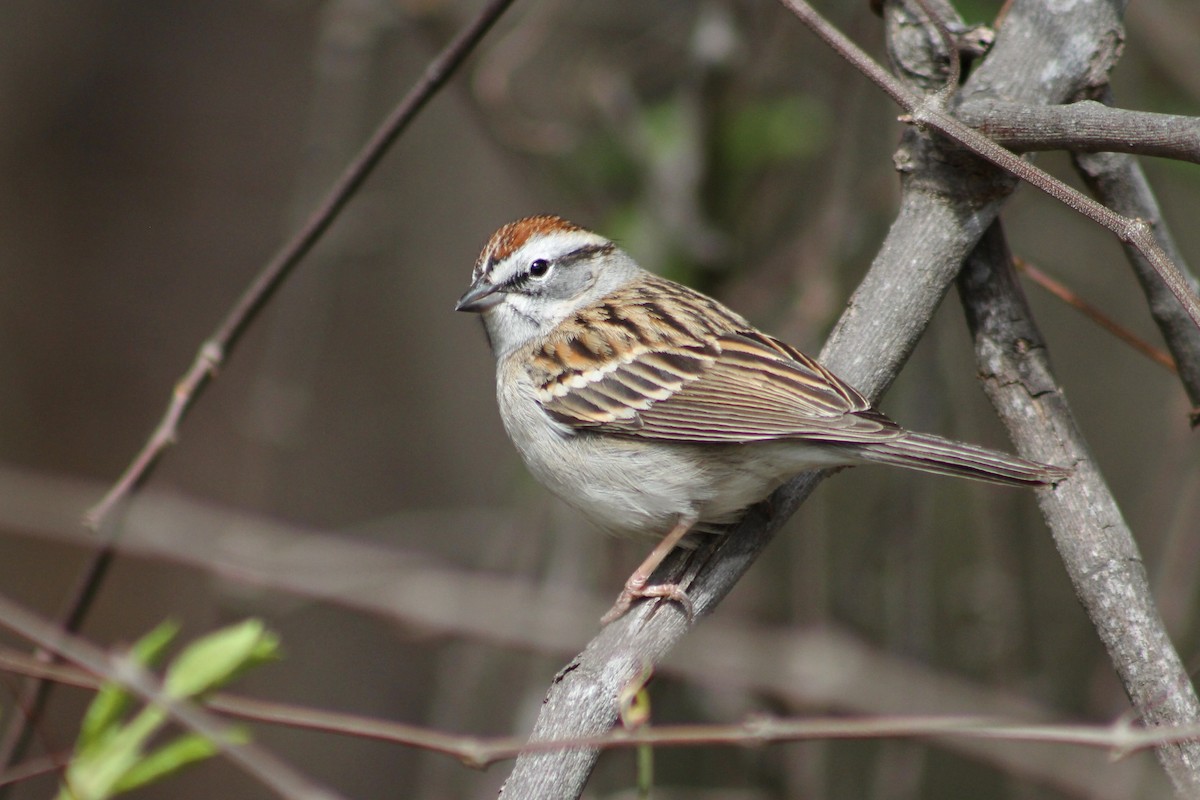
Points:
(739, 386)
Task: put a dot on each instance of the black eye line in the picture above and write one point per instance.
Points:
(516, 282)
(522, 279)
(586, 251)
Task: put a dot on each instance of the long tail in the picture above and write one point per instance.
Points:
(945, 457)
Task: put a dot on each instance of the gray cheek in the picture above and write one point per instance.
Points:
(510, 325)
(586, 280)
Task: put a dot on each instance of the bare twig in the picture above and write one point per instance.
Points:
(1119, 737)
(361, 576)
(124, 671)
(938, 14)
(220, 344)
(1118, 180)
(1097, 547)
(214, 350)
(926, 114)
(1065, 294)
(34, 768)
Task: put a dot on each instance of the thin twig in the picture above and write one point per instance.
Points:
(217, 348)
(1120, 737)
(924, 113)
(954, 74)
(271, 771)
(34, 768)
(1118, 180)
(390, 582)
(1065, 294)
(34, 694)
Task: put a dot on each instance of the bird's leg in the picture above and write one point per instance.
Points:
(636, 588)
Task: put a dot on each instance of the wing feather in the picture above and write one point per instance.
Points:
(630, 368)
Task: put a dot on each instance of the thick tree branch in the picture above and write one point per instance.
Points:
(1092, 537)
(1041, 55)
(1085, 127)
(1088, 69)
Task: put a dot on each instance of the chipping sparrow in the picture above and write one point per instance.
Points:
(652, 408)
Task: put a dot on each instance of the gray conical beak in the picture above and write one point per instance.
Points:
(479, 298)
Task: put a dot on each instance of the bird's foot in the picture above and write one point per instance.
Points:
(667, 591)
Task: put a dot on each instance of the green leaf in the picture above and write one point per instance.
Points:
(216, 659)
(92, 774)
(110, 756)
(174, 756)
(150, 649)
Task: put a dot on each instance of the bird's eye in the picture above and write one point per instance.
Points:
(539, 268)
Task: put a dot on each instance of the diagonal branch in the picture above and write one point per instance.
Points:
(1096, 545)
(926, 112)
(219, 345)
(1104, 321)
(1117, 179)
(1042, 55)
(214, 351)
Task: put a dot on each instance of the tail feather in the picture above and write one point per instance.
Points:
(945, 457)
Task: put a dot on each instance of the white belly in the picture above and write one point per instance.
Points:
(629, 485)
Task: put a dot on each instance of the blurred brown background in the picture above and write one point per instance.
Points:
(153, 155)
